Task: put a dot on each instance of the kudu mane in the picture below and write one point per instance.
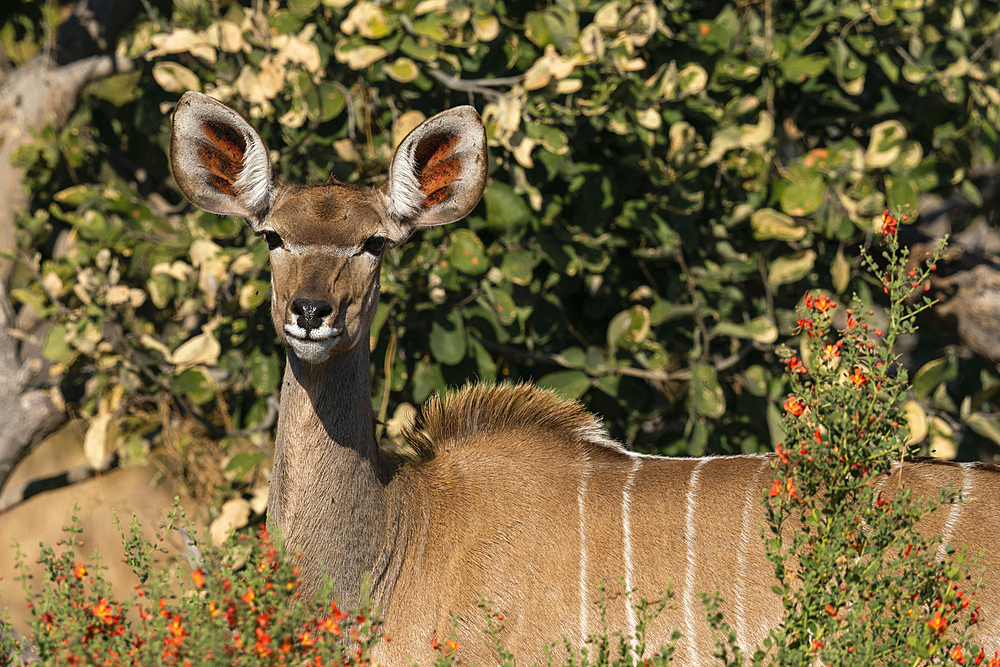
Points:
(476, 415)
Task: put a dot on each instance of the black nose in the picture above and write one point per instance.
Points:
(310, 314)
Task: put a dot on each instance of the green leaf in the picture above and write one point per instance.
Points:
(760, 329)
(56, 348)
(707, 397)
(196, 384)
(800, 68)
(770, 224)
(253, 294)
(629, 327)
(241, 465)
(504, 207)
(324, 102)
(518, 266)
(265, 372)
(504, 306)
(901, 193)
(402, 70)
(804, 192)
(569, 383)
(933, 374)
(466, 252)
(791, 268)
(987, 426)
(756, 379)
(447, 339)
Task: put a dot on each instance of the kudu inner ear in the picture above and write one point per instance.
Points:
(438, 172)
(219, 162)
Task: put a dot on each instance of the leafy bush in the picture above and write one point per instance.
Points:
(665, 180)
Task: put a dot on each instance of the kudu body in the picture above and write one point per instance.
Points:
(513, 496)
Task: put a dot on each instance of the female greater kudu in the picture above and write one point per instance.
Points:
(513, 495)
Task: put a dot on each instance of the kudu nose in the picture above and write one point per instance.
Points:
(310, 314)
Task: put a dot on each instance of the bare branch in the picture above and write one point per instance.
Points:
(482, 86)
(24, 653)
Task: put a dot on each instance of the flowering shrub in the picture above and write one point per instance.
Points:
(240, 606)
(860, 584)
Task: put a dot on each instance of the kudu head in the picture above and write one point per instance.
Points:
(326, 241)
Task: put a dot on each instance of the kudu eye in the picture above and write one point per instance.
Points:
(272, 239)
(375, 245)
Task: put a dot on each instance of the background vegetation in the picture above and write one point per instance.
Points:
(666, 178)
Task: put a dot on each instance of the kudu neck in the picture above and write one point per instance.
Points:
(329, 485)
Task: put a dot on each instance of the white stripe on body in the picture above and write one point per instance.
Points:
(627, 530)
(689, 599)
(580, 497)
(746, 539)
(955, 513)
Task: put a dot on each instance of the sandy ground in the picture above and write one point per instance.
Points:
(136, 489)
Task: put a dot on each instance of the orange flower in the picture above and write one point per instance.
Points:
(857, 378)
(199, 578)
(795, 406)
(888, 223)
(175, 627)
(102, 610)
(957, 655)
(249, 596)
(79, 571)
(796, 366)
(832, 350)
(938, 623)
(775, 488)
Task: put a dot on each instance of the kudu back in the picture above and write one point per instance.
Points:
(513, 495)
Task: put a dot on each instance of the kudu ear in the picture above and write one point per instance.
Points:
(219, 162)
(438, 172)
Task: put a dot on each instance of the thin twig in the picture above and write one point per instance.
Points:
(482, 86)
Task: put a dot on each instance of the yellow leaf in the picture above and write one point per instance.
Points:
(202, 349)
(182, 40)
(404, 124)
(96, 441)
(175, 78)
(486, 29)
(363, 56)
(916, 422)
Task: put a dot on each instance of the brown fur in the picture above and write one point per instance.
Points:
(492, 411)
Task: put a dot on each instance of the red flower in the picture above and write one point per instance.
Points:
(79, 571)
(796, 366)
(102, 610)
(957, 655)
(857, 378)
(795, 406)
(889, 224)
(775, 488)
(938, 623)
